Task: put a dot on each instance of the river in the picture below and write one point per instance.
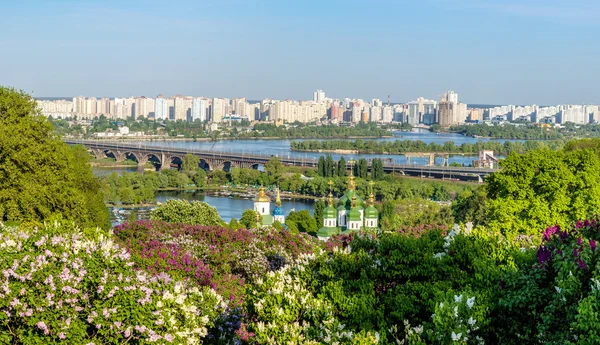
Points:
(233, 207)
(227, 207)
(281, 147)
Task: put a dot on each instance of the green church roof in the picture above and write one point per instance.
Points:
(330, 212)
(371, 212)
(354, 215)
(346, 200)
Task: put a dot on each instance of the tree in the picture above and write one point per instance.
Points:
(275, 169)
(183, 211)
(341, 171)
(40, 175)
(321, 169)
(249, 220)
(190, 163)
(199, 178)
(277, 225)
(234, 224)
(387, 210)
(127, 195)
(301, 221)
(319, 211)
(330, 167)
(377, 172)
(218, 177)
(543, 188)
(361, 168)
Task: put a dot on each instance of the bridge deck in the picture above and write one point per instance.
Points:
(416, 170)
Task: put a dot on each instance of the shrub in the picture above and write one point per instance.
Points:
(61, 284)
(183, 211)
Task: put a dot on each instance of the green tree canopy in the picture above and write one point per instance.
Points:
(40, 175)
(543, 188)
(249, 220)
(182, 211)
(190, 162)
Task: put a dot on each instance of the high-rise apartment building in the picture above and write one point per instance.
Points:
(387, 114)
(319, 96)
(199, 109)
(218, 109)
(421, 111)
(183, 107)
(450, 111)
(375, 112)
(161, 108)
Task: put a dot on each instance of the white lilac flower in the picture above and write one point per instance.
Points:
(458, 298)
(456, 337)
(471, 302)
(471, 321)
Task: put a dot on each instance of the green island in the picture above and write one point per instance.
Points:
(407, 146)
(512, 261)
(524, 131)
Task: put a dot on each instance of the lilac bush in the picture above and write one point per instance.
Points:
(59, 283)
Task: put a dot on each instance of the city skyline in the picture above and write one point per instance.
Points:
(446, 112)
(500, 52)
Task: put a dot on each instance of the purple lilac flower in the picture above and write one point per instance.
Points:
(593, 244)
(41, 325)
(550, 231)
(544, 255)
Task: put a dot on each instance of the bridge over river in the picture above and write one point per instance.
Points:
(212, 160)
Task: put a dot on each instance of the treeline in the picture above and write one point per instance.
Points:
(527, 131)
(298, 130)
(403, 146)
(327, 167)
(137, 188)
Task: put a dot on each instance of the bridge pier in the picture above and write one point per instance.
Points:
(119, 155)
(98, 153)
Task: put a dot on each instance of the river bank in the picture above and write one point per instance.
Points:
(208, 139)
(368, 152)
(247, 193)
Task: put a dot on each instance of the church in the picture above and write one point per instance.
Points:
(262, 206)
(352, 214)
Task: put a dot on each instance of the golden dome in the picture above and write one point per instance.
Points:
(262, 197)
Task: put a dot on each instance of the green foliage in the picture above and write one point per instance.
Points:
(277, 225)
(412, 212)
(319, 211)
(555, 300)
(301, 221)
(275, 169)
(543, 188)
(249, 219)
(218, 177)
(41, 176)
(190, 163)
(404, 146)
(183, 211)
(377, 172)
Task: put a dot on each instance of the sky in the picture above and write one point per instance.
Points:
(490, 52)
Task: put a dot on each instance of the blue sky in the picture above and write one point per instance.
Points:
(491, 52)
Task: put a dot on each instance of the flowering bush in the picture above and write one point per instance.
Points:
(62, 284)
(555, 299)
(456, 320)
(287, 312)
